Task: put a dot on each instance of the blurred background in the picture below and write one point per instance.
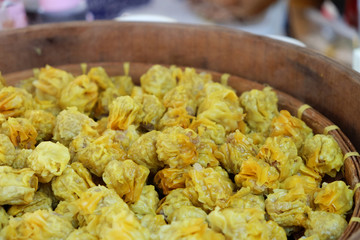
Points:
(329, 27)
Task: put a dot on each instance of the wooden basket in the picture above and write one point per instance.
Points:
(298, 75)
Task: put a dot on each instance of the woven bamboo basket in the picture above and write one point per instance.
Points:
(306, 83)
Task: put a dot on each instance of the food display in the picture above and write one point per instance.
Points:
(179, 157)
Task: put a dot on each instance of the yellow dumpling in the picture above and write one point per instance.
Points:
(158, 80)
(81, 93)
(15, 101)
(258, 175)
(322, 154)
(176, 199)
(100, 77)
(81, 233)
(147, 203)
(306, 171)
(208, 187)
(282, 153)
(116, 222)
(244, 198)
(237, 149)
(260, 107)
(102, 213)
(186, 213)
(75, 180)
(153, 111)
(137, 93)
(17, 186)
(95, 151)
(257, 138)
(48, 160)
(41, 201)
(193, 228)
(193, 82)
(208, 129)
(50, 83)
(124, 83)
(309, 184)
(143, 151)
(288, 208)
(176, 147)
(180, 96)
(123, 138)
(7, 151)
(43, 122)
(244, 224)
(206, 149)
(153, 224)
(90, 203)
(68, 211)
(222, 106)
(209, 88)
(69, 123)
(41, 224)
(175, 117)
(177, 206)
(168, 179)
(105, 98)
(325, 225)
(21, 132)
(126, 178)
(286, 125)
(123, 112)
(21, 158)
(335, 197)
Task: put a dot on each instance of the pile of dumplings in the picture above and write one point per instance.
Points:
(178, 157)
